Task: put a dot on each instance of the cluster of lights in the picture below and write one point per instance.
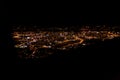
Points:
(62, 40)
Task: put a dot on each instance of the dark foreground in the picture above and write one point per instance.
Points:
(102, 53)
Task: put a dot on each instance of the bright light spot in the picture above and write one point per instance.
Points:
(28, 37)
(84, 44)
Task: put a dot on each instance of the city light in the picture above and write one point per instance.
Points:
(58, 40)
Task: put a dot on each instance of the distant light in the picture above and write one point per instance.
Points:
(97, 32)
(28, 37)
(44, 46)
(47, 34)
(63, 48)
(84, 44)
(34, 40)
(20, 46)
(50, 43)
(16, 36)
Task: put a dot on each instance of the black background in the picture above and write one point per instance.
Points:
(111, 75)
(35, 12)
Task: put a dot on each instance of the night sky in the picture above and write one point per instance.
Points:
(55, 13)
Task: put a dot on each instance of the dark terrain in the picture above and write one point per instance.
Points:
(99, 54)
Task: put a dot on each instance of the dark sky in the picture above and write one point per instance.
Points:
(55, 13)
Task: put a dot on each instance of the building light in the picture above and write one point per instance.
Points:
(83, 44)
(28, 37)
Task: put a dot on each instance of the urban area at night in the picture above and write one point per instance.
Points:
(84, 35)
(41, 43)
